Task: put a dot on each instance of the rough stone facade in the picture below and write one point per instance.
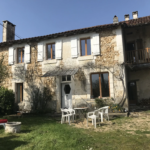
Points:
(111, 47)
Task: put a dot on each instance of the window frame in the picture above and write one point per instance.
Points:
(85, 46)
(100, 88)
(51, 51)
(21, 54)
(66, 78)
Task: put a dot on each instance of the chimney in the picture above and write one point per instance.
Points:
(115, 19)
(8, 31)
(126, 17)
(135, 14)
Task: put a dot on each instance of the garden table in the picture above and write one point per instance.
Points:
(80, 111)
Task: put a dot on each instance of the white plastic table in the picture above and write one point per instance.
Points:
(80, 111)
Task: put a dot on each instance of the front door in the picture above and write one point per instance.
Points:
(132, 91)
(66, 95)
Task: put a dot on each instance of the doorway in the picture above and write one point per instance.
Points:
(132, 90)
(19, 92)
(66, 95)
(131, 53)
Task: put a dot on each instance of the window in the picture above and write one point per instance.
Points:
(50, 51)
(20, 55)
(85, 46)
(99, 85)
(19, 92)
(66, 78)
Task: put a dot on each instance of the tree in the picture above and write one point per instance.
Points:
(3, 70)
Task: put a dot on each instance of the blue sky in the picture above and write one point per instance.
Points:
(42, 17)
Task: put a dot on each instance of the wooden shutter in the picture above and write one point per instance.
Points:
(27, 53)
(11, 56)
(74, 47)
(95, 44)
(58, 49)
(40, 52)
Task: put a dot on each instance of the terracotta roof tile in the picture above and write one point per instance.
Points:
(129, 23)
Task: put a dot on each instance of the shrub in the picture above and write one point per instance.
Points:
(7, 99)
(40, 99)
(116, 107)
(100, 102)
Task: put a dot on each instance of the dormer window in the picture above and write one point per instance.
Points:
(50, 51)
(20, 55)
(85, 46)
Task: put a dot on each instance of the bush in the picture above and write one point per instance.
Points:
(100, 102)
(116, 107)
(40, 99)
(7, 99)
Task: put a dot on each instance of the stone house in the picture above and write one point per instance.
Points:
(81, 65)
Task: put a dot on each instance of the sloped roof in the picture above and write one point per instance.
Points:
(129, 23)
(61, 72)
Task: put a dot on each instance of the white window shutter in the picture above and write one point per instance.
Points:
(11, 56)
(74, 47)
(40, 52)
(95, 45)
(58, 49)
(27, 53)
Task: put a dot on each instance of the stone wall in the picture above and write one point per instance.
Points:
(111, 56)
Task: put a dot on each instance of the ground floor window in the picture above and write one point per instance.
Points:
(99, 85)
(19, 92)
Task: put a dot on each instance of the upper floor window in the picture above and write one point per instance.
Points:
(100, 85)
(20, 55)
(85, 46)
(50, 51)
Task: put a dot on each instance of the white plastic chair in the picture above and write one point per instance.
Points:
(93, 115)
(105, 111)
(101, 113)
(67, 113)
(72, 113)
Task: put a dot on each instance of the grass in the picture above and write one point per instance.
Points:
(43, 133)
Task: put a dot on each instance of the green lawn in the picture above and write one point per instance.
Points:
(43, 133)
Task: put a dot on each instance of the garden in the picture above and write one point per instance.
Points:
(44, 132)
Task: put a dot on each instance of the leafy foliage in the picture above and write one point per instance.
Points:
(116, 107)
(100, 102)
(7, 100)
(3, 70)
(40, 99)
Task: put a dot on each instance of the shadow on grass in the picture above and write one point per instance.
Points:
(25, 131)
(10, 142)
(142, 132)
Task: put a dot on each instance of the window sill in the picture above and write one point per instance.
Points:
(19, 65)
(82, 58)
(53, 61)
(104, 98)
